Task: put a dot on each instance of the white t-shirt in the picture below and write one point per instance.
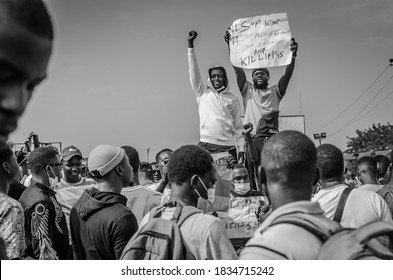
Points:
(370, 187)
(69, 193)
(362, 207)
(204, 236)
(258, 102)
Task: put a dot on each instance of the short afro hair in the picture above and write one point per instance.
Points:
(369, 161)
(289, 153)
(133, 157)
(187, 161)
(31, 14)
(41, 157)
(330, 160)
(5, 152)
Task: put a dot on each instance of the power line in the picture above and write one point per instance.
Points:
(353, 102)
(361, 110)
(376, 105)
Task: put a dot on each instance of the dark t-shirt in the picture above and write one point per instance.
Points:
(16, 190)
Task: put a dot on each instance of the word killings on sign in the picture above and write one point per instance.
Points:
(262, 41)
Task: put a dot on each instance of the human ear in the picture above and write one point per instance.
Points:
(6, 167)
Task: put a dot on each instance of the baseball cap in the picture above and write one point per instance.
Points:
(70, 152)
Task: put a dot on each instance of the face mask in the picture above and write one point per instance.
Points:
(211, 193)
(242, 188)
(53, 181)
(206, 204)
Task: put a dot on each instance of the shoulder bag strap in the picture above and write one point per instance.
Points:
(341, 204)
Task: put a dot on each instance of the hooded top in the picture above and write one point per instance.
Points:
(101, 225)
(219, 112)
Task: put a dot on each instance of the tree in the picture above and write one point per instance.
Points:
(377, 137)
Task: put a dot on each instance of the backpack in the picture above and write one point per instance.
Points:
(160, 239)
(345, 243)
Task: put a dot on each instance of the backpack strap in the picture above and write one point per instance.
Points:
(186, 213)
(304, 222)
(341, 204)
(180, 214)
(374, 229)
(157, 211)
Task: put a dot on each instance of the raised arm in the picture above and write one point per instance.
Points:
(193, 68)
(284, 80)
(239, 72)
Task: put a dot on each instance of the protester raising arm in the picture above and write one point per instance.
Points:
(284, 80)
(239, 72)
(195, 75)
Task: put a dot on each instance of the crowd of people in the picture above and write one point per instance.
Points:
(233, 192)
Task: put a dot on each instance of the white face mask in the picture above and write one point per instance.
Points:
(211, 193)
(242, 188)
(206, 205)
(53, 181)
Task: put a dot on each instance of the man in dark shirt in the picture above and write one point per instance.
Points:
(101, 224)
(45, 223)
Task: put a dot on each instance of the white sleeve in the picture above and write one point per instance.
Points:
(195, 75)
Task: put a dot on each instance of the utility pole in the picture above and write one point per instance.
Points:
(148, 150)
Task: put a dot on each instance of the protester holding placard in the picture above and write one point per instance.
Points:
(246, 207)
(261, 101)
(219, 110)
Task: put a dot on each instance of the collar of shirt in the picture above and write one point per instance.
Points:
(41, 187)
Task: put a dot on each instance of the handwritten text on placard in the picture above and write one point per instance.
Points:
(262, 41)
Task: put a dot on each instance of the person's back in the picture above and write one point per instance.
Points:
(101, 224)
(288, 172)
(202, 236)
(361, 207)
(103, 218)
(141, 200)
(192, 176)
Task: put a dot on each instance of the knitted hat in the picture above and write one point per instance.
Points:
(104, 158)
(261, 69)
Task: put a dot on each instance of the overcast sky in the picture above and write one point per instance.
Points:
(119, 72)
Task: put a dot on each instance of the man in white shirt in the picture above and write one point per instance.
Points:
(362, 206)
(219, 110)
(72, 184)
(367, 174)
